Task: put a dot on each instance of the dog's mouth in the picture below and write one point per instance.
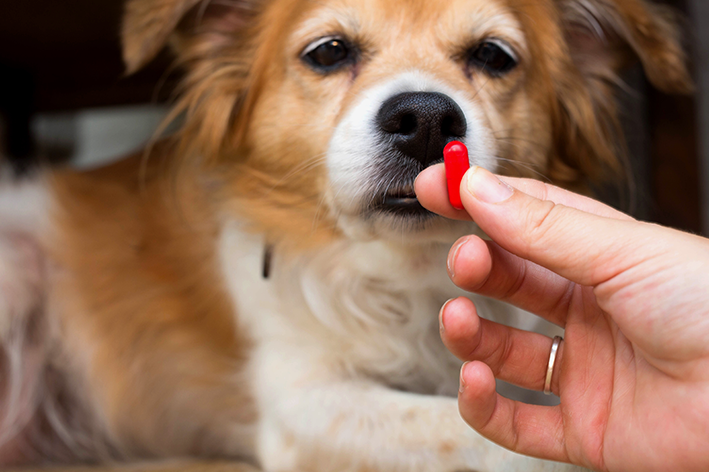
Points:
(401, 201)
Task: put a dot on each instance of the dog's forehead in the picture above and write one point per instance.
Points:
(439, 21)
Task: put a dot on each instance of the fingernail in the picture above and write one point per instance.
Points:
(486, 187)
(462, 378)
(441, 314)
(452, 255)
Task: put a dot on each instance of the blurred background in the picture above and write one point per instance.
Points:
(64, 100)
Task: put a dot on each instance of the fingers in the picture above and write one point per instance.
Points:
(432, 192)
(580, 246)
(527, 429)
(484, 267)
(515, 356)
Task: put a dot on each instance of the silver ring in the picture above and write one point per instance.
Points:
(550, 365)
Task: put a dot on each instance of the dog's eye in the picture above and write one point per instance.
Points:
(328, 54)
(492, 58)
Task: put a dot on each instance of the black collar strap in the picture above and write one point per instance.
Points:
(267, 259)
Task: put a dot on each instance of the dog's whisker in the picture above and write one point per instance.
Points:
(305, 166)
(519, 138)
(525, 165)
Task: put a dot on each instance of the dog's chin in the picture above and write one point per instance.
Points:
(402, 220)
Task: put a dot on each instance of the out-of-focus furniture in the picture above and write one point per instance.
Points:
(64, 56)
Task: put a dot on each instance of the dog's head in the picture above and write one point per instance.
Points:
(317, 116)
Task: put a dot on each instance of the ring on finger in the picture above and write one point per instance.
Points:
(550, 365)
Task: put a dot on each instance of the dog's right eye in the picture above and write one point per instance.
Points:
(327, 54)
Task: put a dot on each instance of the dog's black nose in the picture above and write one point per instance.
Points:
(420, 124)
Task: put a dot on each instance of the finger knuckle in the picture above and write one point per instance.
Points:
(540, 223)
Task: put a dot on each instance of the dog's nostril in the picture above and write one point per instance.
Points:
(451, 127)
(399, 124)
(408, 124)
(420, 124)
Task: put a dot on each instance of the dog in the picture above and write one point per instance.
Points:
(263, 285)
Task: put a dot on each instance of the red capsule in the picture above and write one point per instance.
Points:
(455, 155)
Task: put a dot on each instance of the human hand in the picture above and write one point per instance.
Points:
(633, 371)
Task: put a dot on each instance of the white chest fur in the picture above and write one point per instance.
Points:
(359, 309)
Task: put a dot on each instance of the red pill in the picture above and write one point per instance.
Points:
(455, 155)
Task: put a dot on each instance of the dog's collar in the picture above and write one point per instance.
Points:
(267, 259)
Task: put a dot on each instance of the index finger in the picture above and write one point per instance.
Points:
(583, 247)
(432, 193)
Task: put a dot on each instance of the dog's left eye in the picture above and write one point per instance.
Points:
(328, 54)
(492, 58)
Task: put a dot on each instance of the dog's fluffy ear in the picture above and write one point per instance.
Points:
(608, 34)
(148, 25)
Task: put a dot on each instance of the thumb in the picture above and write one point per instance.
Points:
(585, 248)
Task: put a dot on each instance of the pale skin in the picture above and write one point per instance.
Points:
(633, 370)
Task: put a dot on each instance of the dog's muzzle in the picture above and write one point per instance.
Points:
(415, 127)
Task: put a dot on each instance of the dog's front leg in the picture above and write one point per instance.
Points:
(356, 426)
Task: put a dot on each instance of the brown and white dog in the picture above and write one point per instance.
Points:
(135, 320)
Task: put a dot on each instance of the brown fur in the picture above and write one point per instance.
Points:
(145, 318)
(161, 337)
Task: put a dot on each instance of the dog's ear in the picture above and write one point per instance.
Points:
(148, 25)
(605, 35)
